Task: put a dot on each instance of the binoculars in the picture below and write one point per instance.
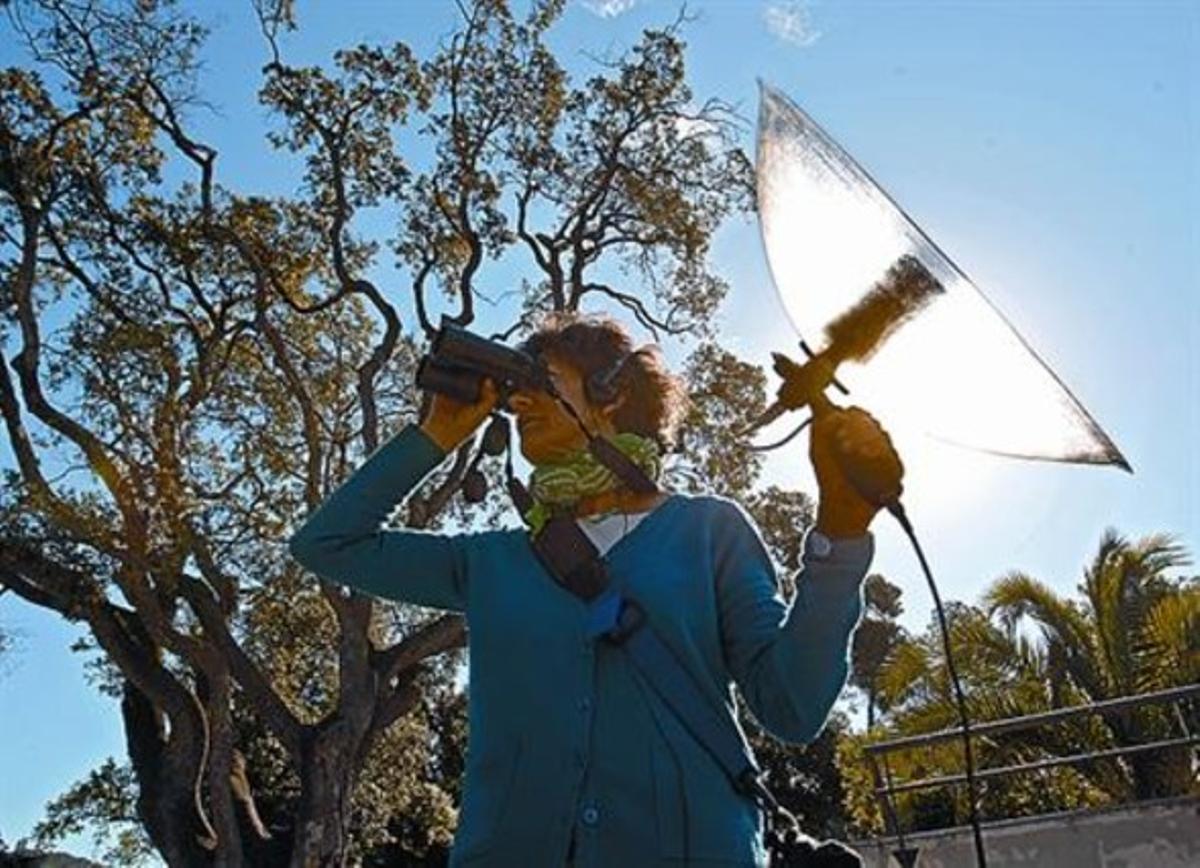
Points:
(456, 365)
(459, 360)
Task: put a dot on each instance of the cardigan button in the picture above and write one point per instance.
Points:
(591, 815)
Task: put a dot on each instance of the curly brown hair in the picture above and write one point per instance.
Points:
(654, 400)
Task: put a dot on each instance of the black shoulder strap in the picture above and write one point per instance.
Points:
(618, 462)
(575, 563)
(571, 557)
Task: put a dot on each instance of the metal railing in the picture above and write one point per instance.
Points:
(885, 788)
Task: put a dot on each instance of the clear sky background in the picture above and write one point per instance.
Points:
(1051, 149)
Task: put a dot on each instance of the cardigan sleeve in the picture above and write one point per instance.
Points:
(790, 662)
(343, 540)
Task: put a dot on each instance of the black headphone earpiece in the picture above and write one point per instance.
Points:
(600, 387)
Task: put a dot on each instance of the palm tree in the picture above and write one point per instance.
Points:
(1003, 674)
(877, 637)
(1134, 629)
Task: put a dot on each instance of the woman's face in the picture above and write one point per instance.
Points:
(548, 434)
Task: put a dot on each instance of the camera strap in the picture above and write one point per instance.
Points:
(625, 469)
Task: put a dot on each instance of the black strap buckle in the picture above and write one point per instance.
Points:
(629, 620)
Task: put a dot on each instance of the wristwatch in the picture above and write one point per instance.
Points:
(817, 546)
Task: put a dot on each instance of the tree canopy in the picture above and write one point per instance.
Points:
(190, 369)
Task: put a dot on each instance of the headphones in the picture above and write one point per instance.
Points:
(600, 387)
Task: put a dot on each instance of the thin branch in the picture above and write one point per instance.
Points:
(368, 371)
(636, 306)
(402, 700)
(300, 392)
(418, 284)
(266, 702)
(438, 636)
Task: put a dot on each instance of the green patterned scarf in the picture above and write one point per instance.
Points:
(565, 483)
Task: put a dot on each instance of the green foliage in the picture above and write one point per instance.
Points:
(1167, 648)
(806, 780)
(726, 394)
(215, 362)
(1028, 650)
(104, 804)
(783, 517)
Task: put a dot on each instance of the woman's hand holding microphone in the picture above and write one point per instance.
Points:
(858, 469)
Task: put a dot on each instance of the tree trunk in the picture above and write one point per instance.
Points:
(166, 769)
(220, 771)
(326, 785)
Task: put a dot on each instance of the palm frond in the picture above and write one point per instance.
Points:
(1167, 647)
(1123, 585)
(1159, 552)
(904, 673)
(1017, 596)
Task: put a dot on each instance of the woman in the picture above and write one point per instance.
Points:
(571, 758)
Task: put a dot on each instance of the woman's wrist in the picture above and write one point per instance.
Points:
(838, 521)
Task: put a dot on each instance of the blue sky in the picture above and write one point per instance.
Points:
(1052, 149)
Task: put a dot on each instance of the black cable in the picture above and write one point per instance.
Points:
(897, 510)
(753, 447)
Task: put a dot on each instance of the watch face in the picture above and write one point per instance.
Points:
(819, 545)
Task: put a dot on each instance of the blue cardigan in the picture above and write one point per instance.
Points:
(564, 740)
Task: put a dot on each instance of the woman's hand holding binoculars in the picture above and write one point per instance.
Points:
(449, 422)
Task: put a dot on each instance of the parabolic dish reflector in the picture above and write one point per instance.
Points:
(956, 365)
